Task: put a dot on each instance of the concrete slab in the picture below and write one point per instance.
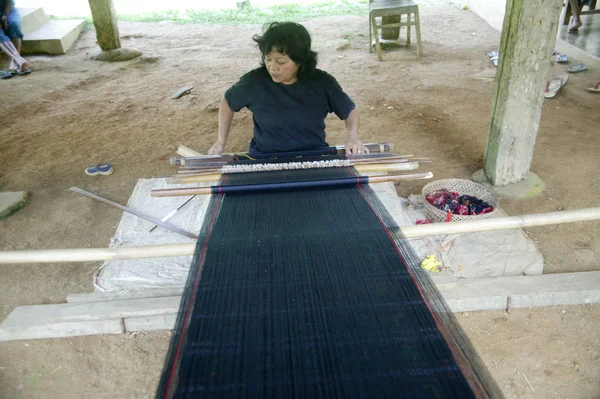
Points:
(465, 295)
(32, 19)
(11, 202)
(150, 323)
(61, 330)
(530, 187)
(54, 37)
(72, 319)
(461, 295)
(100, 296)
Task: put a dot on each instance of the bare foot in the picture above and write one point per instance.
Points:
(24, 67)
(574, 28)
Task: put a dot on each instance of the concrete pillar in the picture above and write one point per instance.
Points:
(105, 22)
(528, 39)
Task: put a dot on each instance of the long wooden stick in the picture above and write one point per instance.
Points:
(160, 251)
(288, 185)
(218, 167)
(374, 148)
(187, 152)
(136, 213)
(205, 176)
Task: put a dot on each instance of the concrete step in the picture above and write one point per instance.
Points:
(32, 19)
(53, 37)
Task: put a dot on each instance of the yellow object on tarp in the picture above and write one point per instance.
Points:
(431, 263)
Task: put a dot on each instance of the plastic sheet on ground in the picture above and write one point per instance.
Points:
(469, 255)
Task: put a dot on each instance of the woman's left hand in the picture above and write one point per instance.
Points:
(354, 146)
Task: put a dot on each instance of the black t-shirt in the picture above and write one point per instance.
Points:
(288, 117)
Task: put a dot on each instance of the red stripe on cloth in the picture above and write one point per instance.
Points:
(193, 294)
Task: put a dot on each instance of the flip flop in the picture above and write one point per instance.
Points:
(104, 169)
(5, 75)
(595, 89)
(553, 86)
(182, 92)
(576, 68)
(25, 72)
(562, 58)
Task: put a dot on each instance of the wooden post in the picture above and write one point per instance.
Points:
(528, 39)
(105, 22)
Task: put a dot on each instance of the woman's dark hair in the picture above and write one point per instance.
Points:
(291, 39)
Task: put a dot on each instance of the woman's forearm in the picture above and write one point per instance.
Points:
(225, 119)
(352, 123)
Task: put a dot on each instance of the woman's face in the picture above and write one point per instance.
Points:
(281, 68)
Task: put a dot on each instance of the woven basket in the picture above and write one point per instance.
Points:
(462, 187)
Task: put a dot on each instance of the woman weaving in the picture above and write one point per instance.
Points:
(289, 97)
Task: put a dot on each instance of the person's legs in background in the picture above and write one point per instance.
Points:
(13, 31)
(7, 47)
(576, 6)
(576, 22)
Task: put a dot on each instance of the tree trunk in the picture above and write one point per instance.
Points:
(528, 39)
(390, 33)
(105, 22)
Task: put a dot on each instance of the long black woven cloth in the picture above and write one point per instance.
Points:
(312, 294)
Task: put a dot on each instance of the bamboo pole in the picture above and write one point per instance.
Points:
(96, 254)
(386, 167)
(206, 176)
(187, 152)
(161, 251)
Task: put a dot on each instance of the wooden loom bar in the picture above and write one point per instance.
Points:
(160, 251)
(341, 182)
(375, 148)
(207, 176)
(216, 167)
(156, 221)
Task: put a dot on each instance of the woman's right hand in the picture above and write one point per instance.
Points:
(216, 149)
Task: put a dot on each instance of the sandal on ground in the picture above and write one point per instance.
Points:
(103, 169)
(562, 58)
(554, 86)
(576, 68)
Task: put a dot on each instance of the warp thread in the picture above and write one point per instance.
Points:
(313, 293)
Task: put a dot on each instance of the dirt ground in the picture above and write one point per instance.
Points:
(73, 112)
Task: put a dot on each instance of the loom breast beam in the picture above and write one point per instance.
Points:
(326, 183)
(423, 230)
(136, 213)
